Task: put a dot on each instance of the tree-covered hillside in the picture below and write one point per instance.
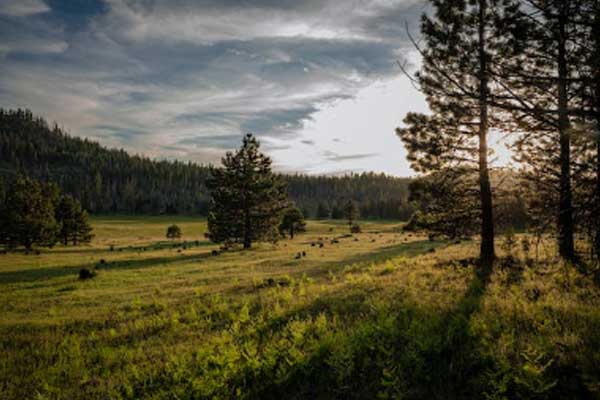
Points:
(112, 181)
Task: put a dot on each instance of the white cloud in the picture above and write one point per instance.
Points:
(23, 8)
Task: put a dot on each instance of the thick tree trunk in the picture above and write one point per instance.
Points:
(566, 244)
(487, 253)
(596, 33)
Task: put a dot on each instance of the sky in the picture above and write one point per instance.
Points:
(316, 80)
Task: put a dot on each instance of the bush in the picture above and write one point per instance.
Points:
(355, 229)
(85, 273)
(173, 232)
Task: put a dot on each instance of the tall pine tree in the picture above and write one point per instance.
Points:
(461, 46)
(542, 85)
(247, 199)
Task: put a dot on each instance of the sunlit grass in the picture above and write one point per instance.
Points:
(378, 314)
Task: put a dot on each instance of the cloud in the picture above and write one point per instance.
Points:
(332, 156)
(23, 8)
(185, 78)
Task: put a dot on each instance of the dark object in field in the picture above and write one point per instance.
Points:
(37, 253)
(215, 253)
(112, 248)
(3, 252)
(313, 244)
(298, 256)
(270, 282)
(533, 294)
(303, 254)
(356, 239)
(431, 250)
(355, 228)
(321, 245)
(85, 273)
(197, 243)
(330, 229)
(179, 250)
(102, 261)
(335, 241)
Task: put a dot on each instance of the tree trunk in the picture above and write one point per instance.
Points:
(487, 253)
(247, 228)
(596, 64)
(291, 233)
(565, 212)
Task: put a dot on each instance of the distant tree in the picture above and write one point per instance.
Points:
(337, 211)
(27, 215)
(322, 211)
(292, 222)
(351, 213)
(247, 199)
(2, 193)
(173, 232)
(73, 222)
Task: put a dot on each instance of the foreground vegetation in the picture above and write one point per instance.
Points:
(380, 314)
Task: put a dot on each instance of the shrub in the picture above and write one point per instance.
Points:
(85, 273)
(173, 232)
(355, 229)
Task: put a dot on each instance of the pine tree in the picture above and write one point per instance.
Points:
(542, 79)
(351, 213)
(322, 211)
(292, 222)
(72, 221)
(337, 211)
(27, 217)
(461, 48)
(247, 199)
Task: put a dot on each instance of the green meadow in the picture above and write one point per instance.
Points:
(380, 314)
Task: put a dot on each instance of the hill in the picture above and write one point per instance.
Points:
(109, 181)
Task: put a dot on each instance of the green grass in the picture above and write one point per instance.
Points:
(380, 314)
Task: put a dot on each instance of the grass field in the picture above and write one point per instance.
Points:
(380, 314)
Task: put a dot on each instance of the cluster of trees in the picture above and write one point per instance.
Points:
(37, 214)
(104, 181)
(378, 196)
(528, 68)
(111, 181)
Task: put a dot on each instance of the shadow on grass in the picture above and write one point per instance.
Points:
(30, 275)
(412, 351)
(410, 249)
(160, 245)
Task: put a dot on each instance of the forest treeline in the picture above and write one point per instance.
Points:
(109, 181)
